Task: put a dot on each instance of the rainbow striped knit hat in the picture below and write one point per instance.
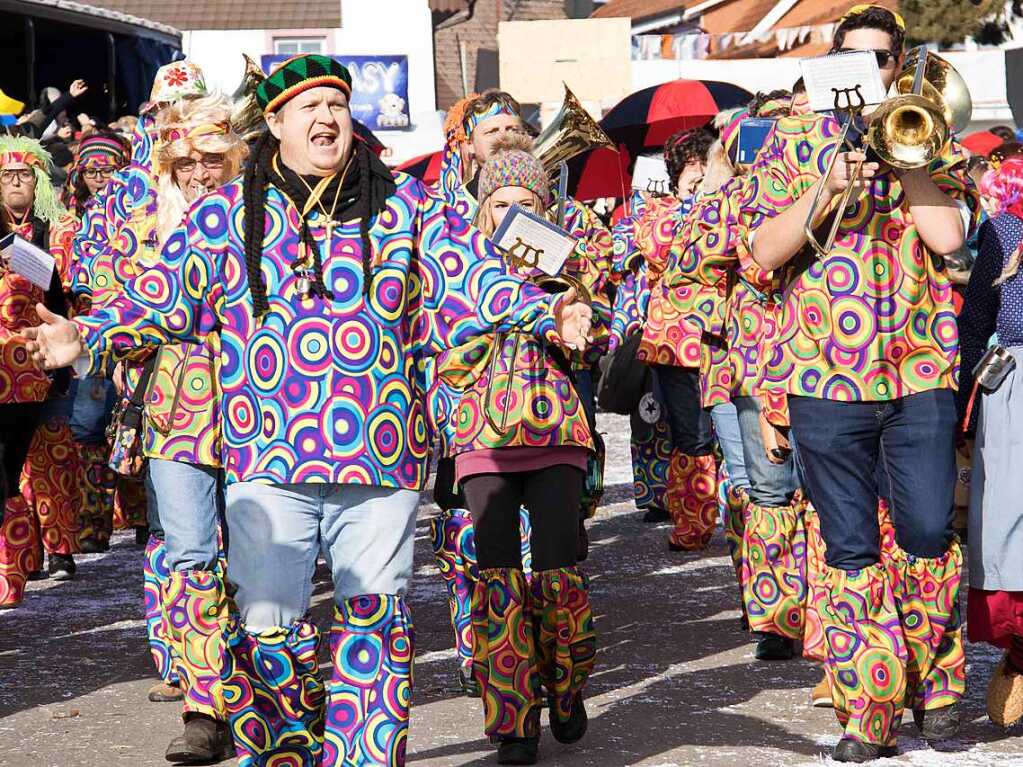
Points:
(514, 167)
(299, 74)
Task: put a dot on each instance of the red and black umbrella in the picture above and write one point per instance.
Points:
(649, 117)
(644, 121)
(425, 167)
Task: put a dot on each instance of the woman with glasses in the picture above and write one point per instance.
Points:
(34, 437)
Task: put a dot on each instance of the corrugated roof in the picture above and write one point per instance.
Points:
(448, 6)
(232, 14)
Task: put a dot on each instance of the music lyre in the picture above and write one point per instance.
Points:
(524, 255)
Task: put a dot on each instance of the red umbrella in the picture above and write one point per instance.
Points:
(426, 167)
(981, 142)
(650, 116)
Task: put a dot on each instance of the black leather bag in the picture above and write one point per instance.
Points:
(623, 378)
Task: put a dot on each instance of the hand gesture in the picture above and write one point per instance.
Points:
(65, 132)
(54, 344)
(574, 321)
(78, 89)
(845, 171)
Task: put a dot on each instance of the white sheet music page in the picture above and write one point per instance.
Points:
(847, 76)
(528, 236)
(32, 263)
(651, 175)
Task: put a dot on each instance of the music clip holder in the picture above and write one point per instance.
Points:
(657, 186)
(524, 256)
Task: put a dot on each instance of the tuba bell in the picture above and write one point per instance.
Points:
(246, 116)
(571, 132)
(909, 130)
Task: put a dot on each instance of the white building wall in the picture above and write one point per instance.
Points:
(381, 27)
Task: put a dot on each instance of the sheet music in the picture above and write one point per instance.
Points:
(539, 242)
(850, 73)
(651, 175)
(32, 263)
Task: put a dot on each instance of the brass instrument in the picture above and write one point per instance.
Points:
(906, 131)
(571, 132)
(246, 116)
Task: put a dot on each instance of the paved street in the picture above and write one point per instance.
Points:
(675, 684)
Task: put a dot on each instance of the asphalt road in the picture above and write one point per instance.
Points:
(675, 682)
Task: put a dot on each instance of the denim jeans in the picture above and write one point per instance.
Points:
(846, 449)
(365, 532)
(726, 428)
(691, 431)
(186, 501)
(94, 399)
(770, 484)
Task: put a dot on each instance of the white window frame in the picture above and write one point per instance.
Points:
(307, 44)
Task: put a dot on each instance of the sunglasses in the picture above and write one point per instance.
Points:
(884, 58)
(94, 173)
(208, 161)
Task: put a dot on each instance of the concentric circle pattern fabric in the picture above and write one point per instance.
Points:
(154, 578)
(774, 569)
(51, 484)
(873, 320)
(454, 550)
(323, 391)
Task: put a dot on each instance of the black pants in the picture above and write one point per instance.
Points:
(691, 430)
(551, 494)
(18, 424)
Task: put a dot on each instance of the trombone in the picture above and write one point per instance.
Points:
(908, 130)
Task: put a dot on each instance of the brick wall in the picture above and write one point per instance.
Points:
(478, 31)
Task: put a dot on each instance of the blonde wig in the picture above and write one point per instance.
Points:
(202, 125)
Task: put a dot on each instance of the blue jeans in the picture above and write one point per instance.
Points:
(691, 431)
(94, 399)
(846, 449)
(365, 532)
(770, 484)
(186, 501)
(726, 427)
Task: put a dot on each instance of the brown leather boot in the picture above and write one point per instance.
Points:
(164, 692)
(205, 740)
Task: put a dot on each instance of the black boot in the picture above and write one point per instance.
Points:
(141, 536)
(655, 515)
(517, 750)
(939, 723)
(62, 567)
(573, 729)
(849, 750)
(92, 546)
(773, 647)
(205, 740)
(470, 687)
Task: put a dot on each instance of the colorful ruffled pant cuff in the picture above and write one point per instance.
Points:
(504, 657)
(454, 548)
(867, 654)
(154, 582)
(100, 481)
(19, 551)
(650, 460)
(927, 598)
(195, 614)
(370, 688)
(274, 695)
(565, 641)
(51, 483)
(735, 512)
(774, 569)
(692, 499)
(129, 503)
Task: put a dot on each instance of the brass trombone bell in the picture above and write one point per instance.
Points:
(908, 131)
(571, 132)
(942, 85)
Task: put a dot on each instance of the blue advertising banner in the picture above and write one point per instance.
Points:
(379, 88)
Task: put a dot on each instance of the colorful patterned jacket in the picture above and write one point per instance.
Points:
(324, 391)
(533, 383)
(118, 241)
(21, 380)
(873, 320)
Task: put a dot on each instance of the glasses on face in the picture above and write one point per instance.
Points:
(24, 176)
(884, 58)
(208, 161)
(95, 173)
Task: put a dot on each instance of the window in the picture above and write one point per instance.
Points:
(293, 46)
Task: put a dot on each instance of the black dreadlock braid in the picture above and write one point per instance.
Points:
(256, 174)
(363, 212)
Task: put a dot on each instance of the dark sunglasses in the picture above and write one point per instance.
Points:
(884, 58)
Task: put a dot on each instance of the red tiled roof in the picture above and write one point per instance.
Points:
(640, 9)
(232, 14)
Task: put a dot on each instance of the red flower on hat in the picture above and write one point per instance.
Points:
(176, 76)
